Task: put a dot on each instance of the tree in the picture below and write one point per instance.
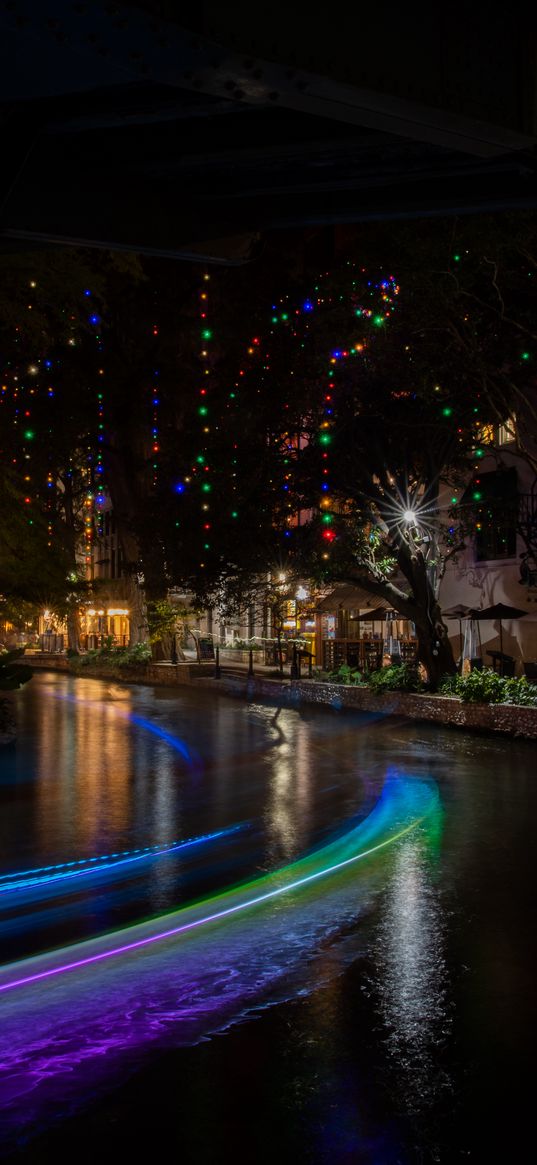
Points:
(348, 423)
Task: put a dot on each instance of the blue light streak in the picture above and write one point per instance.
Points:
(64, 871)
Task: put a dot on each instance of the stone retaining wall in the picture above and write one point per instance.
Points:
(445, 710)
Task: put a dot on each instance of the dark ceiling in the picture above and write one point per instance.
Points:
(124, 128)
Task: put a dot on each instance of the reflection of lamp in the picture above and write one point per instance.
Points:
(302, 593)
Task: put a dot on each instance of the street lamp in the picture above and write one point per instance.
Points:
(300, 594)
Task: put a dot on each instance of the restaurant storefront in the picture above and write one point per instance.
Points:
(357, 628)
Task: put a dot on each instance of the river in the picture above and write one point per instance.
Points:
(238, 929)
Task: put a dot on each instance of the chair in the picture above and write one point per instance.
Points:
(502, 663)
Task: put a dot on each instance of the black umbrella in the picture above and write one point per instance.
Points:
(459, 612)
(498, 611)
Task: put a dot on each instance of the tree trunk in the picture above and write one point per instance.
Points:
(434, 652)
(73, 637)
(139, 632)
(421, 607)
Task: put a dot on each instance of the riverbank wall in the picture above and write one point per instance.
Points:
(507, 719)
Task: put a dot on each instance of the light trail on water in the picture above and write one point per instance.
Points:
(62, 872)
(364, 841)
(72, 1019)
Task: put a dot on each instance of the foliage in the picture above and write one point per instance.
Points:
(161, 619)
(518, 690)
(123, 657)
(13, 675)
(416, 376)
(403, 677)
(244, 645)
(344, 674)
(488, 687)
(378, 397)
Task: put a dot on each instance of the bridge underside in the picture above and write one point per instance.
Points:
(125, 130)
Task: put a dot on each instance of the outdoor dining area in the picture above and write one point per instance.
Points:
(356, 628)
(471, 654)
(360, 630)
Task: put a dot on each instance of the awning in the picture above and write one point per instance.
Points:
(374, 614)
(349, 598)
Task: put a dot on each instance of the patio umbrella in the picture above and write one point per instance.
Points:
(499, 611)
(459, 612)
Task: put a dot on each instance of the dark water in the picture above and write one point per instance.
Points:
(383, 1014)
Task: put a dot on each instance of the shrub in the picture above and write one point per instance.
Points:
(243, 645)
(487, 687)
(403, 677)
(519, 691)
(344, 674)
(137, 655)
(450, 686)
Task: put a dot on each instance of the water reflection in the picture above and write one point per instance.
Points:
(402, 992)
(411, 977)
(173, 978)
(84, 768)
(288, 807)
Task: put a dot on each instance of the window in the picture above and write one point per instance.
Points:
(507, 431)
(493, 498)
(499, 435)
